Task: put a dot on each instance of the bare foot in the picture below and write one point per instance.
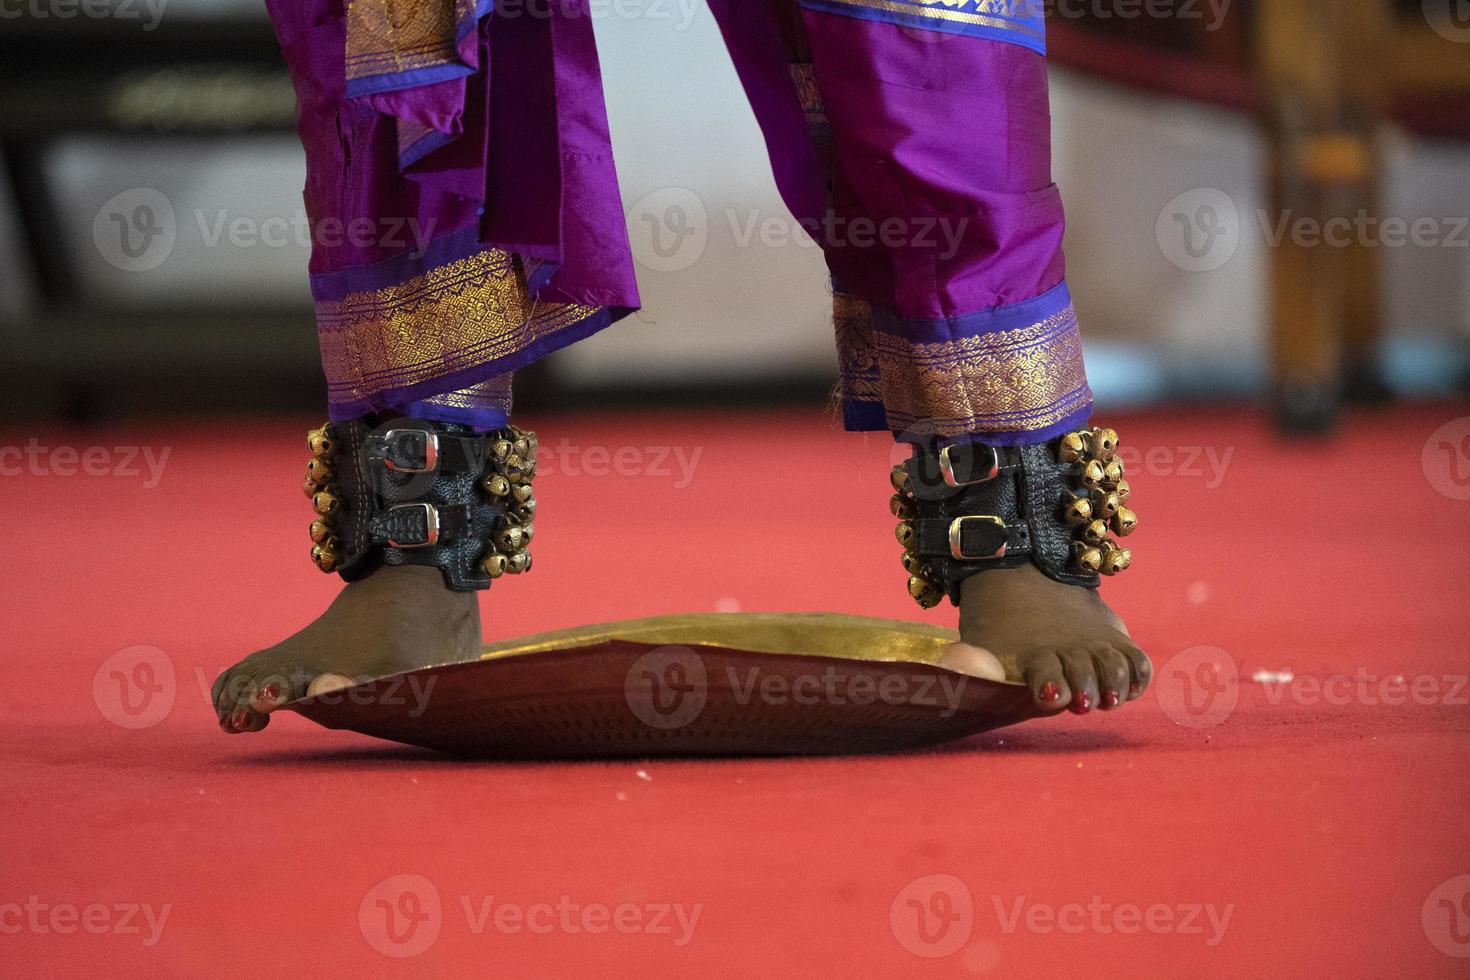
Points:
(1061, 641)
(399, 618)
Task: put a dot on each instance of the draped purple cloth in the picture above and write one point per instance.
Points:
(916, 151)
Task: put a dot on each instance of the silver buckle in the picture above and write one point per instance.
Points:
(957, 525)
(946, 467)
(431, 525)
(431, 451)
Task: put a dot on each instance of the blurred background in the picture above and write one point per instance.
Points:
(1267, 200)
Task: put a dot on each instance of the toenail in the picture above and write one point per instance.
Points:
(1134, 689)
(1111, 699)
(239, 718)
(1050, 692)
(1082, 703)
(268, 693)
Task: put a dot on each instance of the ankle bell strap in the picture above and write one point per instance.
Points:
(417, 492)
(966, 508)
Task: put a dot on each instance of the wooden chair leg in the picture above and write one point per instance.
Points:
(1306, 313)
(1362, 319)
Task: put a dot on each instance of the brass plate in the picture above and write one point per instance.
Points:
(700, 685)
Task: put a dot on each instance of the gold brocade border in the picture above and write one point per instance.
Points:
(857, 371)
(389, 37)
(1016, 380)
(451, 318)
(926, 9)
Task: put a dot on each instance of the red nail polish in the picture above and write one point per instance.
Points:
(1081, 703)
(1111, 699)
(1050, 693)
(1134, 689)
(268, 693)
(239, 718)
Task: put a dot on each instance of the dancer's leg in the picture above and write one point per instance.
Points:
(433, 283)
(924, 171)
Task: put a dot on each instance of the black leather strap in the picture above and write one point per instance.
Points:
(970, 538)
(977, 507)
(417, 492)
(415, 450)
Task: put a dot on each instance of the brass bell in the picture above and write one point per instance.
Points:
(1115, 560)
(1077, 511)
(518, 470)
(1105, 504)
(1095, 532)
(512, 538)
(325, 556)
(1086, 558)
(522, 493)
(1093, 475)
(530, 437)
(309, 486)
(1073, 447)
(926, 593)
(521, 447)
(320, 442)
(1113, 472)
(1124, 490)
(499, 449)
(496, 485)
(906, 534)
(523, 513)
(914, 565)
(1125, 522)
(325, 504)
(900, 506)
(1104, 444)
(517, 563)
(320, 531)
(318, 470)
(899, 477)
(494, 565)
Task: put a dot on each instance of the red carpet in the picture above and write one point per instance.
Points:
(1311, 832)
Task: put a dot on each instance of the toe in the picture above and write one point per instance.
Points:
(244, 720)
(1043, 674)
(1140, 670)
(233, 702)
(280, 687)
(1113, 675)
(227, 691)
(1081, 676)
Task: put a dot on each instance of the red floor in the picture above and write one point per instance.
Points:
(1330, 827)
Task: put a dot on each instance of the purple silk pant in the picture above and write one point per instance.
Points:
(466, 217)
